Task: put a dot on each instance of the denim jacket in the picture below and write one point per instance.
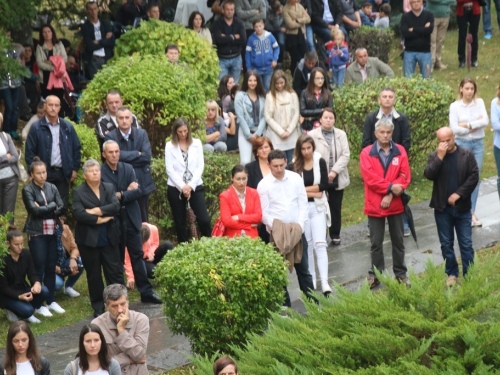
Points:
(243, 108)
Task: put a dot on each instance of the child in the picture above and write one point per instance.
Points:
(262, 52)
(339, 56)
(366, 14)
(382, 20)
(276, 25)
(40, 112)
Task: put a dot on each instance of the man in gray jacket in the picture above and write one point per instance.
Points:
(366, 68)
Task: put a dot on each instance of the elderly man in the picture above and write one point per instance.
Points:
(126, 331)
(366, 68)
(455, 174)
(303, 71)
(97, 233)
(386, 173)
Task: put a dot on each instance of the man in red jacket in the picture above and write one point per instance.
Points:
(386, 173)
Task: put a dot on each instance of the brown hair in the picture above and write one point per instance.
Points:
(32, 352)
(462, 84)
(324, 88)
(222, 363)
(277, 75)
(179, 123)
(258, 143)
(298, 159)
(54, 37)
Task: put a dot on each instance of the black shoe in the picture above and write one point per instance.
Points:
(461, 65)
(151, 298)
(98, 313)
(474, 64)
(336, 241)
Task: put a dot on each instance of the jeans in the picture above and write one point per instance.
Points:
(338, 76)
(10, 98)
(451, 220)
(477, 147)
(289, 155)
(487, 15)
(280, 38)
(496, 152)
(468, 24)
(322, 32)
(44, 253)
(410, 62)
(72, 279)
(24, 309)
(315, 233)
(310, 38)
(266, 78)
(230, 66)
(217, 147)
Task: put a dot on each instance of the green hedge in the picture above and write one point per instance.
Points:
(217, 291)
(425, 102)
(378, 42)
(428, 329)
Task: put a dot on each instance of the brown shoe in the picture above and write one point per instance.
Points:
(452, 280)
(404, 280)
(373, 282)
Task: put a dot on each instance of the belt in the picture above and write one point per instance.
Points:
(56, 168)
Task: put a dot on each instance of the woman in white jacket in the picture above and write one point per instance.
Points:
(184, 163)
(282, 114)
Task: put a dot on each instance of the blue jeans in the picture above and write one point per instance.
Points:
(72, 279)
(10, 97)
(266, 77)
(410, 62)
(487, 15)
(230, 66)
(25, 309)
(338, 76)
(496, 152)
(44, 253)
(310, 38)
(289, 155)
(477, 147)
(447, 222)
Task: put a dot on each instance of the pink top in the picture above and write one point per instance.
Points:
(149, 247)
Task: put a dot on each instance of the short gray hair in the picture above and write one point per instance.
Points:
(385, 122)
(360, 49)
(114, 292)
(90, 163)
(109, 142)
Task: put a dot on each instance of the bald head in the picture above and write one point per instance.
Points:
(445, 131)
(446, 139)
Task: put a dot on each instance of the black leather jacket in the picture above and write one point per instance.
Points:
(37, 214)
(45, 367)
(311, 109)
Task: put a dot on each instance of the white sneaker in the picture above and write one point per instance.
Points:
(71, 292)
(56, 308)
(44, 311)
(33, 319)
(11, 317)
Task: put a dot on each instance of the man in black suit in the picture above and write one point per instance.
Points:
(97, 232)
(135, 150)
(122, 177)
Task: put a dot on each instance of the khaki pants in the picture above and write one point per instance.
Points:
(437, 39)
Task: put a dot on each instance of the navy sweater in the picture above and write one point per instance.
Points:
(418, 40)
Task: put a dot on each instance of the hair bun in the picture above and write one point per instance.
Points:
(36, 158)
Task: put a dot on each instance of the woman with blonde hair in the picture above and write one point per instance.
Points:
(468, 118)
(282, 114)
(216, 129)
(495, 124)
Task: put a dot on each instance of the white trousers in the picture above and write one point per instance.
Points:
(246, 155)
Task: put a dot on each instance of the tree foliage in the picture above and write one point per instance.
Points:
(13, 14)
(218, 290)
(377, 41)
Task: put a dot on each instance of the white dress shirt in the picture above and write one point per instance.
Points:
(460, 112)
(285, 200)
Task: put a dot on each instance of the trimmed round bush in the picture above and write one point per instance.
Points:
(377, 41)
(425, 102)
(219, 290)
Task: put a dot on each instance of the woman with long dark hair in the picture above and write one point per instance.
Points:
(185, 163)
(314, 98)
(92, 356)
(249, 105)
(22, 356)
(196, 23)
(224, 91)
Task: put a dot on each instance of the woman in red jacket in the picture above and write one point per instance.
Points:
(240, 209)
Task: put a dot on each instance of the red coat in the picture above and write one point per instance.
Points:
(378, 180)
(230, 206)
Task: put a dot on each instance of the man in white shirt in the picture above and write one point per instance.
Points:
(283, 196)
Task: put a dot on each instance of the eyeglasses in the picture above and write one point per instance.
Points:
(319, 78)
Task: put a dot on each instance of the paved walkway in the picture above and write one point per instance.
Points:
(349, 265)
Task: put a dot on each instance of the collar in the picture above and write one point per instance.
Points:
(48, 122)
(462, 104)
(419, 13)
(274, 179)
(359, 66)
(122, 136)
(374, 150)
(380, 147)
(394, 114)
(126, 136)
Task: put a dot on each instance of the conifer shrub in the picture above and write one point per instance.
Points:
(424, 101)
(4, 227)
(218, 291)
(378, 42)
(428, 329)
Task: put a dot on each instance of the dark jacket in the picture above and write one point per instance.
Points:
(87, 229)
(138, 141)
(105, 124)
(301, 75)
(88, 37)
(32, 193)
(254, 174)
(418, 40)
(45, 367)
(121, 180)
(468, 177)
(227, 46)
(131, 11)
(13, 278)
(401, 134)
(39, 143)
(318, 8)
(311, 109)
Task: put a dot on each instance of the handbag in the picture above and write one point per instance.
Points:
(219, 228)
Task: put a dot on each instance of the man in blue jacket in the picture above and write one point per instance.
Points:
(55, 142)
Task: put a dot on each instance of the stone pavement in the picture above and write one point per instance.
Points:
(349, 264)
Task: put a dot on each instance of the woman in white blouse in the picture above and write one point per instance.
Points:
(468, 118)
(184, 163)
(282, 114)
(196, 23)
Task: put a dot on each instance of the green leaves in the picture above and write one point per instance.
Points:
(378, 42)
(219, 290)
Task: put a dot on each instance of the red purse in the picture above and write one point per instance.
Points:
(219, 228)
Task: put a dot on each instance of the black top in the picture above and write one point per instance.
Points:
(452, 160)
(419, 39)
(254, 174)
(13, 281)
(308, 176)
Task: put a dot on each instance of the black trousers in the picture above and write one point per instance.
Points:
(468, 22)
(335, 198)
(56, 176)
(178, 204)
(159, 254)
(144, 207)
(93, 258)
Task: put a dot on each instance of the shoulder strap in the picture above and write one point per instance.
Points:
(73, 367)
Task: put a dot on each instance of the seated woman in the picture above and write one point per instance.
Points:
(240, 209)
(20, 299)
(216, 129)
(21, 353)
(69, 262)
